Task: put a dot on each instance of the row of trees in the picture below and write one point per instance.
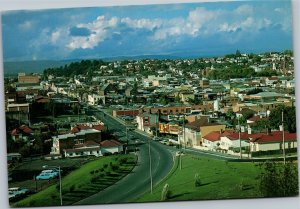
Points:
(235, 72)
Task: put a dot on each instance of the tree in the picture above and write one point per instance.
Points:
(262, 125)
(289, 117)
(254, 91)
(279, 180)
(238, 53)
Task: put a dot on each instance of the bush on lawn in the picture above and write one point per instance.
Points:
(197, 180)
(166, 193)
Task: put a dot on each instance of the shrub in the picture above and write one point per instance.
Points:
(92, 172)
(114, 167)
(94, 179)
(123, 160)
(72, 188)
(105, 165)
(197, 180)
(165, 193)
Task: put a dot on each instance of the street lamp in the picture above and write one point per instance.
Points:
(283, 139)
(150, 168)
(59, 174)
(239, 126)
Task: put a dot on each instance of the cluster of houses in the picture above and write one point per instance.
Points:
(158, 100)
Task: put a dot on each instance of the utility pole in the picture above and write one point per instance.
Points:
(60, 190)
(240, 137)
(157, 115)
(150, 168)
(283, 139)
(127, 139)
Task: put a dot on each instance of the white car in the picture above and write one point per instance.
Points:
(156, 138)
(15, 192)
(47, 174)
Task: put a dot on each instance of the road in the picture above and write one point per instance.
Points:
(138, 181)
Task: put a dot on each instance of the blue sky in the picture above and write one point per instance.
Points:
(184, 30)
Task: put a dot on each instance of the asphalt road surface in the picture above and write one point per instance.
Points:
(138, 181)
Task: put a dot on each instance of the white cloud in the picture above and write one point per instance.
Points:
(26, 25)
(100, 29)
(248, 23)
(55, 36)
(244, 10)
(280, 10)
(142, 23)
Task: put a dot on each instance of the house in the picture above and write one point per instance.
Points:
(13, 157)
(245, 112)
(94, 99)
(23, 133)
(211, 140)
(111, 146)
(185, 97)
(23, 78)
(271, 81)
(233, 141)
(85, 138)
(89, 148)
(193, 132)
(272, 141)
(145, 121)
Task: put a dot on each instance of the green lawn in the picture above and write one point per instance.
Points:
(91, 178)
(219, 180)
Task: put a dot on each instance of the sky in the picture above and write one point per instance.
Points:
(181, 30)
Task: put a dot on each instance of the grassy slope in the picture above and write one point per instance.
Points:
(219, 179)
(78, 185)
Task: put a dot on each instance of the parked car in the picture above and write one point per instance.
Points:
(16, 192)
(156, 138)
(47, 174)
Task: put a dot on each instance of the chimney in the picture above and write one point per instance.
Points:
(268, 131)
(242, 129)
(249, 130)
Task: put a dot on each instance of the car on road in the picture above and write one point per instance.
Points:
(47, 174)
(16, 192)
(156, 138)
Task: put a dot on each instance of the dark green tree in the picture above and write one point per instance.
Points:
(279, 180)
(289, 118)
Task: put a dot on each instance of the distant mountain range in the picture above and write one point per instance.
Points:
(11, 68)
(38, 66)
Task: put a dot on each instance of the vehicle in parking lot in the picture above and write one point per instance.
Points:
(47, 174)
(156, 138)
(16, 192)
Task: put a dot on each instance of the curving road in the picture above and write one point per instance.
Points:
(138, 181)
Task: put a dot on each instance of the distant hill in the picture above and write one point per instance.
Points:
(32, 66)
(15, 67)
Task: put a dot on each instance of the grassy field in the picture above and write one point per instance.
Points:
(91, 178)
(218, 180)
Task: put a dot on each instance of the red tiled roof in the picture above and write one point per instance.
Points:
(256, 118)
(43, 100)
(246, 110)
(15, 132)
(24, 129)
(204, 121)
(88, 144)
(80, 127)
(273, 78)
(235, 136)
(98, 127)
(275, 136)
(82, 150)
(215, 135)
(110, 143)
